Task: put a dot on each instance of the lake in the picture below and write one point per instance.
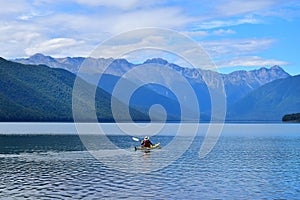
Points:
(249, 161)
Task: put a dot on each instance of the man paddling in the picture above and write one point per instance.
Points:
(146, 142)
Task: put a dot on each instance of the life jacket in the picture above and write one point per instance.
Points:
(146, 143)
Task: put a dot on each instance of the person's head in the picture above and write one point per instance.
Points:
(146, 138)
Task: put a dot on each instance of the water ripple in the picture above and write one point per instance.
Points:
(239, 168)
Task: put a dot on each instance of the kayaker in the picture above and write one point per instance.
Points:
(146, 142)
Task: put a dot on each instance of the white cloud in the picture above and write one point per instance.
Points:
(161, 17)
(53, 46)
(128, 4)
(15, 37)
(111, 4)
(196, 33)
(226, 23)
(219, 48)
(30, 15)
(249, 61)
(115, 22)
(23, 31)
(92, 29)
(223, 32)
(131, 43)
(13, 7)
(219, 32)
(237, 7)
(288, 10)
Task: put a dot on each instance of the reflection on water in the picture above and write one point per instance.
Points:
(239, 167)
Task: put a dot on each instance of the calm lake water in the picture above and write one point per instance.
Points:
(240, 166)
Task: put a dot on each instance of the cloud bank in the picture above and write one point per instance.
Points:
(75, 27)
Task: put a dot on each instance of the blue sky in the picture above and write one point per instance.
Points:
(237, 34)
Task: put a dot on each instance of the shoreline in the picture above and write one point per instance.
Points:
(167, 128)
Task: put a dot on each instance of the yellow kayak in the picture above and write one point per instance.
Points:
(156, 146)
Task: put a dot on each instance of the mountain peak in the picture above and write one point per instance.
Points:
(156, 61)
(121, 61)
(276, 67)
(40, 56)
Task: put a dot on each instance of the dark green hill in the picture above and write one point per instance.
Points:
(269, 102)
(40, 93)
(295, 117)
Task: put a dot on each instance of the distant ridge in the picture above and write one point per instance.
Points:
(269, 102)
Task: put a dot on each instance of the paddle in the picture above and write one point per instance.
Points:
(136, 139)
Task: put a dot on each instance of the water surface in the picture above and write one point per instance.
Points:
(239, 167)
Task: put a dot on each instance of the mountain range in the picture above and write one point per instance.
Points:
(41, 93)
(237, 84)
(240, 86)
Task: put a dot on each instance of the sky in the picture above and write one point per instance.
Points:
(236, 34)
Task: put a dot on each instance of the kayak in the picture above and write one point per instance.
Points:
(156, 146)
